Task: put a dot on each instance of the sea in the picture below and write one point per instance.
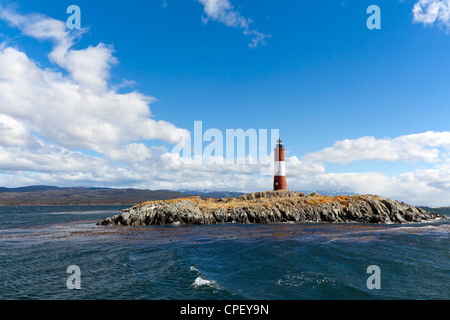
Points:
(60, 253)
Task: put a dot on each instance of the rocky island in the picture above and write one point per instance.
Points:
(271, 207)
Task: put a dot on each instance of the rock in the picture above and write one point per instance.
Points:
(271, 207)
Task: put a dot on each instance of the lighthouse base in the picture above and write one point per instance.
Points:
(279, 183)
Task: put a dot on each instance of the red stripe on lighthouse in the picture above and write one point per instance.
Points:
(280, 154)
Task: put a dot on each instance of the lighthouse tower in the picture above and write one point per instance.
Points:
(279, 179)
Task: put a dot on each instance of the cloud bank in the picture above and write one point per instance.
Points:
(413, 148)
(420, 187)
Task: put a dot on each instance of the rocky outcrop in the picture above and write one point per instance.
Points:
(271, 207)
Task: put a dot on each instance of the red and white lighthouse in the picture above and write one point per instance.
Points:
(279, 179)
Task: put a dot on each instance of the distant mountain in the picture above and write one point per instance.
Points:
(49, 195)
(27, 189)
(44, 188)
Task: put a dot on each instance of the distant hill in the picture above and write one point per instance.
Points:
(27, 189)
(49, 195)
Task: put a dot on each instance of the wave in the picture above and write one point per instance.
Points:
(444, 228)
(369, 233)
(200, 281)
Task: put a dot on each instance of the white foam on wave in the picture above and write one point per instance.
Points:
(299, 280)
(199, 282)
(192, 268)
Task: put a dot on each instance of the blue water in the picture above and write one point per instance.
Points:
(228, 261)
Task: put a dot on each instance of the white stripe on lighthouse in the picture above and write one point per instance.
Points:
(280, 168)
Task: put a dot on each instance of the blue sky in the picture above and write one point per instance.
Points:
(319, 75)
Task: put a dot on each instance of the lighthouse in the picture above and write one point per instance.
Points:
(279, 179)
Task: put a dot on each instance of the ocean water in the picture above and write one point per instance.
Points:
(228, 261)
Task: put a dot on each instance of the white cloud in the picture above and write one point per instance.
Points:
(41, 157)
(36, 25)
(12, 132)
(430, 12)
(224, 12)
(422, 147)
(78, 110)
